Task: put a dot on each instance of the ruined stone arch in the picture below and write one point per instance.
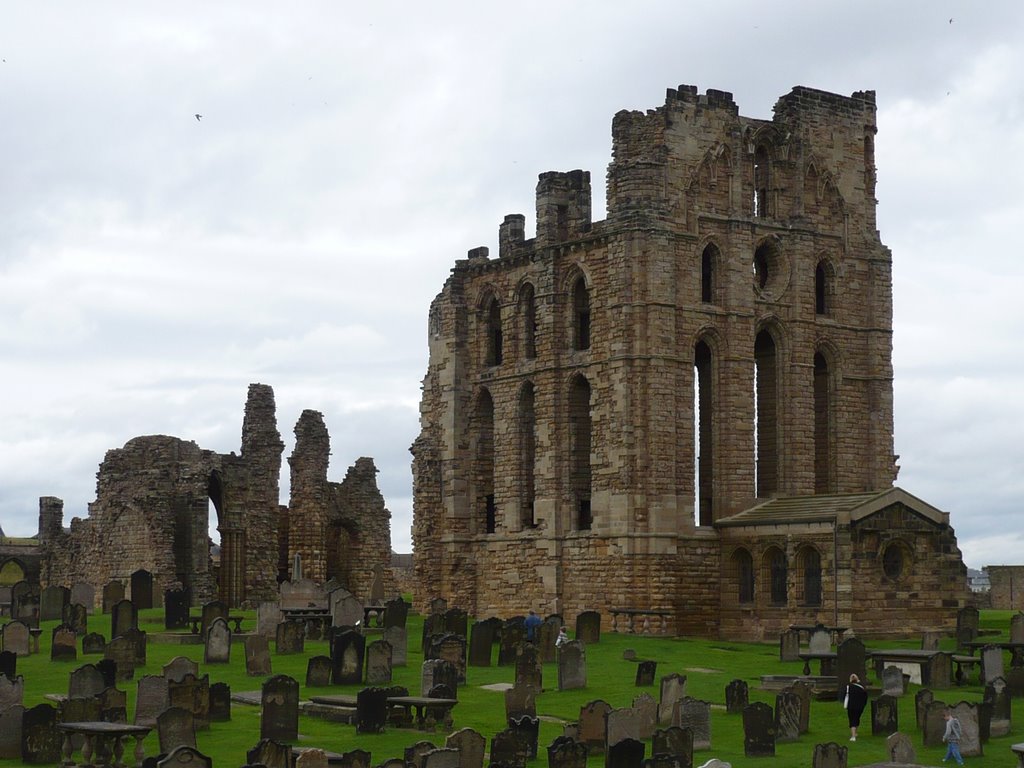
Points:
(526, 317)
(711, 268)
(741, 564)
(761, 146)
(526, 432)
(807, 560)
(825, 394)
(579, 450)
(577, 287)
(769, 397)
(825, 277)
(707, 345)
(343, 541)
(482, 459)
(12, 570)
(489, 322)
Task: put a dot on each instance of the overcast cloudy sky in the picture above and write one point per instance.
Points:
(152, 265)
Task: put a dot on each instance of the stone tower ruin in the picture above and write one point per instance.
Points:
(607, 402)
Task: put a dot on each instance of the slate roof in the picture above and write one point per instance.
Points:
(843, 508)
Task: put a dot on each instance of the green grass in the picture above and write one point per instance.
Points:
(708, 664)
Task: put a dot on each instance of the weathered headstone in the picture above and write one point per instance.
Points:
(804, 691)
(175, 727)
(108, 669)
(268, 616)
(10, 732)
(456, 621)
(378, 663)
(511, 636)
(758, 730)
(507, 749)
(185, 757)
(922, 699)
(142, 589)
(737, 696)
(218, 643)
(997, 694)
(279, 711)
(257, 656)
(696, 715)
(40, 739)
(572, 666)
(675, 742)
(192, 693)
(547, 633)
(87, 680)
(930, 639)
(347, 654)
(1017, 628)
(529, 670)
(450, 647)
(123, 616)
(414, 754)
(291, 637)
(178, 667)
(991, 662)
(892, 681)
(176, 608)
(820, 640)
(318, 672)
(789, 645)
(438, 672)
(566, 753)
(52, 600)
(113, 593)
(967, 624)
(64, 644)
(271, 754)
(970, 740)
(592, 723)
(137, 639)
(481, 641)
(851, 659)
(121, 651)
(628, 753)
(526, 729)
(12, 692)
(396, 612)
(471, 746)
(646, 709)
(900, 749)
(76, 616)
(215, 609)
(85, 594)
(16, 638)
(934, 723)
(520, 700)
(311, 758)
(787, 716)
(937, 672)
(397, 636)
(621, 724)
(93, 643)
(346, 610)
(25, 603)
(371, 710)
(152, 699)
(8, 664)
(645, 673)
(220, 702)
(113, 705)
(829, 755)
(884, 715)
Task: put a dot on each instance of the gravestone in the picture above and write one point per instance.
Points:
(121, 651)
(456, 621)
(675, 742)
(441, 758)
(192, 693)
(52, 600)
(220, 703)
(645, 672)
(25, 603)
(177, 668)
(185, 757)
(695, 715)
(113, 705)
(588, 627)
(12, 692)
(805, 692)
(997, 694)
(592, 724)
(758, 730)
(438, 605)
(152, 699)
(63, 644)
(371, 710)
(930, 639)
(646, 709)
(566, 753)
(215, 609)
(970, 740)
(268, 616)
(270, 754)
(892, 681)
(628, 753)
(396, 611)
(78, 710)
(257, 656)
(900, 749)
(547, 633)
(526, 729)
(76, 616)
(520, 700)
(142, 589)
(851, 659)
(934, 723)
(414, 754)
(967, 623)
(291, 637)
(311, 758)
(436, 672)
(922, 699)
(884, 715)
(87, 680)
(507, 749)
(512, 635)
(737, 696)
(787, 716)
(318, 672)
(432, 625)
(471, 746)
(176, 608)
(621, 724)
(175, 727)
(85, 594)
(937, 672)
(93, 643)
(8, 664)
(1017, 628)
(529, 670)
(378, 663)
(346, 610)
(16, 638)
(820, 640)
(396, 636)
(279, 709)
(829, 755)
(789, 645)
(481, 641)
(10, 731)
(108, 669)
(137, 639)
(218, 643)
(450, 647)
(40, 739)
(347, 653)
(123, 616)
(113, 593)
(991, 663)
(572, 666)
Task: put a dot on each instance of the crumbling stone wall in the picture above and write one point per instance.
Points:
(731, 245)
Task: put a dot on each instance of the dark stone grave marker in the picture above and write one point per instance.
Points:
(153, 698)
(63, 644)
(257, 656)
(10, 732)
(40, 739)
(175, 727)
(758, 730)
(185, 757)
(12, 692)
(93, 643)
(76, 616)
(695, 714)
(884, 715)
(997, 694)
(270, 754)
(789, 645)
(176, 608)
(527, 730)
(471, 746)
(279, 716)
(588, 627)
(593, 716)
(520, 700)
(218, 643)
(645, 673)
(787, 716)
(481, 641)
(142, 589)
(8, 664)
(178, 667)
(628, 753)
(396, 612)
(371, 710)
(16, 638)
(572, 666)
(397, 636)
(737, 696)
(52, 600)
(529, 670)
(513, 634)
(829, 755)
(123, 616)
(671, 690)
(113, 593)
(378, 663)
(347, 653)
(220, 703)
(291, 637)
(318, 672)
(675, 742)
(85, 594)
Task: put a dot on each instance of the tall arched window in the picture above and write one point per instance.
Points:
(774, 574)
(704, 393)
(528, 318)
(579, 450)
(482, 435)
(743, 565)
(761, 181)
(766, 427)
(527, 454)
(823, 454)
(820, 290)
(492, 310)
(708, 261)
(810, 576)
(580, 314)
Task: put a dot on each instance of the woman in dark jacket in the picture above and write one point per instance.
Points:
(855, 700)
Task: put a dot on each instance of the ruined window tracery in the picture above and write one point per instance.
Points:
(704, 393)
(579, 451)
(761, 182)
(527, 454)
(708, 265)
(494, 335)
(581, 314)
(823, 418)
(528, 318)
(775, 575)
(482, 430)
(766, 426)
(743, 564)
(810, 576)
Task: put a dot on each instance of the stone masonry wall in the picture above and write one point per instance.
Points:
(1006, 590)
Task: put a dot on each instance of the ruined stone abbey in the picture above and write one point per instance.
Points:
(688, 406)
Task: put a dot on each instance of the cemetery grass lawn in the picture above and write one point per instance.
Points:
(709, 666)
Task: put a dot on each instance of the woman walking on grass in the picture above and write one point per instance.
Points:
(855, 700)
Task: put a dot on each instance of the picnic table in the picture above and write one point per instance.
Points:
(96, 737)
